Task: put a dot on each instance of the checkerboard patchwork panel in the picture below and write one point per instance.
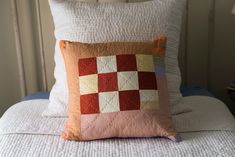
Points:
(117, 83)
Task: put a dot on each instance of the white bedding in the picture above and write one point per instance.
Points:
(209, 130)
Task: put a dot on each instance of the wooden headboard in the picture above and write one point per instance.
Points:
(34, 35)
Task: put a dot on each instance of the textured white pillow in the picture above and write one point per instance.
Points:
(107, 22)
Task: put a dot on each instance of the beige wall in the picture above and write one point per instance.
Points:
(210, 57)
(19, 39)
(222, 57)
(9, 76)
(207, 53)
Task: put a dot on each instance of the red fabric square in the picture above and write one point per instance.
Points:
(126, 63)
(89, 104)
(147, 80)
(87, 66)
(129, 100)
(107, 82)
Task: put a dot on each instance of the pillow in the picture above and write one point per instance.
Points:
(109, 22)
(117, 89)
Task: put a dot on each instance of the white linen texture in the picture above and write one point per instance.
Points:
(111, 22)
(209, 130)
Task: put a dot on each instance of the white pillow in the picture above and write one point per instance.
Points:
(107, 22)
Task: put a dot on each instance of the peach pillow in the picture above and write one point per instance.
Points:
(117, 89)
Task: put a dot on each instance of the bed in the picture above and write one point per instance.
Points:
(209, 130)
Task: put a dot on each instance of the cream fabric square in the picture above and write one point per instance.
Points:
(88, 84)
(109, 102)
(149, 99)
(106, 64)
(145, 63)
(128, 81)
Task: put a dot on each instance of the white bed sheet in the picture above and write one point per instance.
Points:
(209, 130)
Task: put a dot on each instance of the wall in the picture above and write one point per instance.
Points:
(223, 51)
(19, 54)
(210, 50)
(10, 91)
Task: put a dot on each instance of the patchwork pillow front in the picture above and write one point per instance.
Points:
(117, 89)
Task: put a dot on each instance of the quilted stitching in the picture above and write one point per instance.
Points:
(110, 121)
(106, 64)
(88, 84)
(126, 63)
(132, 121)
(127, 81)
(151, 97)
(113, 101)
(118, 111)
(90, 103)
(107, 82)
(145, 63)
(85, 64)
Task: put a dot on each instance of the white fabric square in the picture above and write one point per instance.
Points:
(149, 99)
(106, 64)
(109, 102)
(128, 81)
(88, 84)
(145, 63)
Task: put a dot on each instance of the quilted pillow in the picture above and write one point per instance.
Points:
(110, 22)
(117, 89)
